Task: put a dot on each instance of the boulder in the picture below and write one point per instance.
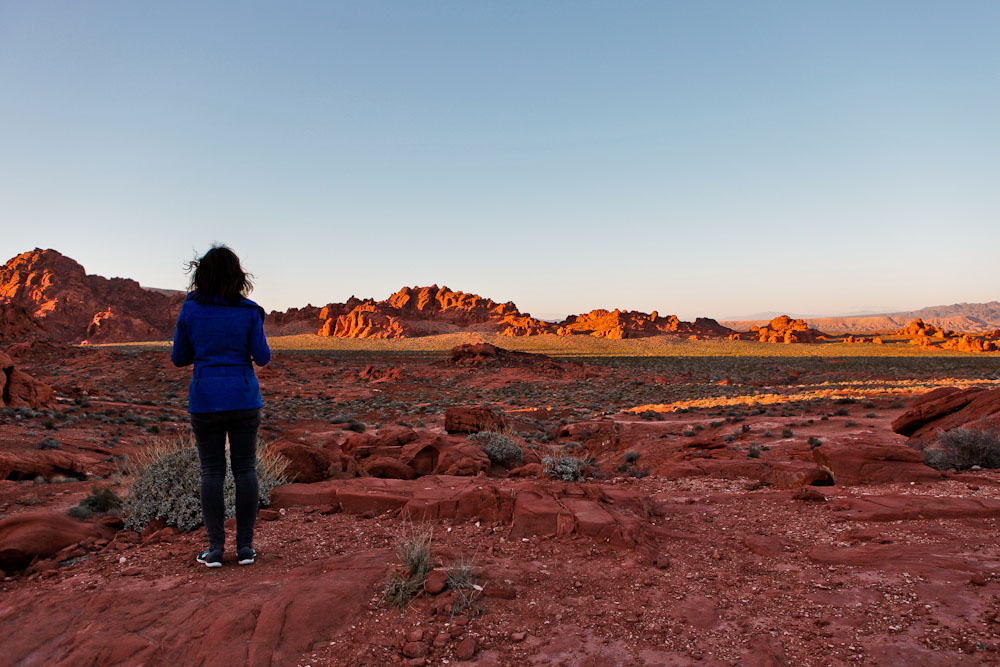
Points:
(472, 419)
(306, 464)
(25, 537)
(857, 463)
(20, 390)
(463, 458)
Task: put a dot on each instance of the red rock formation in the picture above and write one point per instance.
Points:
(423, 311)
(484, 354)
(17, 324)
(471, 419)
(30, 535)
(782, 329)
(927, 336)
(20, 390)
(621, 324)
(70, 304)
(853, 464)
(947, 408)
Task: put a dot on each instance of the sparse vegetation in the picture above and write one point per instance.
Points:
(167, 484)
(500, 448)
(965, 448)
(566, 468)
(100, 502)
(413, 548)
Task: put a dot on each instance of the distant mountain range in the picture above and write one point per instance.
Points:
(958, 317)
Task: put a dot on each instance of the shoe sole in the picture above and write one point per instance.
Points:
(247, 561)
(208, 564)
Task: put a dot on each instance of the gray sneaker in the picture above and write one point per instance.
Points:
(246, 555)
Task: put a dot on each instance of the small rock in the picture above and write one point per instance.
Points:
(414, 635)
(436, 580)
(977, 579)
(460, 620)
(131, 571)
(662, 562)
(809, 495)
(518, 636)
(466, 649)
(441, 640)
(268, 515)
(415, 649)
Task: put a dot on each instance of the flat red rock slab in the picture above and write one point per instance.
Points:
(182, 622)
(917, 507)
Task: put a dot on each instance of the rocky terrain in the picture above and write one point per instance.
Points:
(725, 512)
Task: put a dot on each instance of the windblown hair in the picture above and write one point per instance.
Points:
(219, 275)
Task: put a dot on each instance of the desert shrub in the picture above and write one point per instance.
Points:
(841, 412)
(461, 579)
(964, 448)
(49, 443)
(413, 548)
(566, 468)
(787, 433)
(632, 456)
(100, 502)
(754, 451)
(498, 447)
(168, 479)
(729, 437)
(814, 442)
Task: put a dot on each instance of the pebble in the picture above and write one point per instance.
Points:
(466, 649)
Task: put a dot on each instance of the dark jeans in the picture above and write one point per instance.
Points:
(210, 431)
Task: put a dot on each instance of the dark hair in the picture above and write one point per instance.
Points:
(218, 274)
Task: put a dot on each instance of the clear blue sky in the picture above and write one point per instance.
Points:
(698, 158)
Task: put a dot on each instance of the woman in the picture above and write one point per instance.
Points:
(221, 332)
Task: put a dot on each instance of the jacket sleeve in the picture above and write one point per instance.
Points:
(182, 353)
(259, 349)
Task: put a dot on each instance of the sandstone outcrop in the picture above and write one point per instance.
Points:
(856, 463)
(782, 329)
(20, 390)
(947, 408)
(30, 535)
(929, 336)
(620, 324)
(72, 306)
(529, 508)
(472, 419)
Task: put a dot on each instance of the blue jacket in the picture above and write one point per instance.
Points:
(221, 339)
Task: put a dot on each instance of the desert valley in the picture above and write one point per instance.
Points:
(453, 481)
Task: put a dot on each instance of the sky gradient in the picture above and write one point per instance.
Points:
(696, 158)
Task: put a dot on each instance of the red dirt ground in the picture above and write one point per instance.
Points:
(725, 568)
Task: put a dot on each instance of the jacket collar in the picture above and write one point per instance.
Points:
(219, 301)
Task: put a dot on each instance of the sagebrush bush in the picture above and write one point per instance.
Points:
(963, 448)
(100, 502)
(566, 468)
(498, 447)
(168, 481)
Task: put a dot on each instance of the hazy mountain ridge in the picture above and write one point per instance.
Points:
(958, 317)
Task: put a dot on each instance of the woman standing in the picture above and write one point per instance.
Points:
(221, 332)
